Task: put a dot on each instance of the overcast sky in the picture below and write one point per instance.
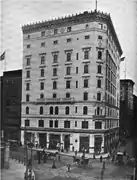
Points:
(16, 13)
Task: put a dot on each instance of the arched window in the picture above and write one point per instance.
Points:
(27, 122)
(86, 68)
(41, 96)
(67, 110)
(41, 110)
(85, 110)
(27, 97)
(98, 96)
(56, 110)
(98, 110)
(51, 110)
(27, 110)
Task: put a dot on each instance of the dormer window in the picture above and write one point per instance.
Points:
(68, 29)
(42, 33)
(55, 31)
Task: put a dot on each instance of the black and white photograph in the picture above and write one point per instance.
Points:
(68, 89)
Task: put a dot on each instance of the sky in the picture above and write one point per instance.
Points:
(15, 13)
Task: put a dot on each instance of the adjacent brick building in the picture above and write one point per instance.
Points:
(70, 82)
(11, 104)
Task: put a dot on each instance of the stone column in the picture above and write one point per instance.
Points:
(71, 142)
(62, 140)
(36, 136)
(47, 140)
(22, 137)
(6, 156)
(91, 143)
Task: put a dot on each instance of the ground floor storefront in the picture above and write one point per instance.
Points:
(92, 143)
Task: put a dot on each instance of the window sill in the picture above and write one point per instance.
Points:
(54, 77)
(42, 65)
(68, 62)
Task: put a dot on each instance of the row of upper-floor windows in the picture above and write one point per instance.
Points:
(68, 71)
(68, 84)
(68, 56)
(110, 63)
(52, 110)
(110, 87)
(110, 99)
(110, 75)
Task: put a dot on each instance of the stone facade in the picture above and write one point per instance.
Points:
(66, 66)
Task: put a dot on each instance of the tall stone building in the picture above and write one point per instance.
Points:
(70, 82)
(126, 107)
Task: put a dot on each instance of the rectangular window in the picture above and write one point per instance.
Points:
(55, 31)
(27, 122)
(100, 37)
(51, 124)
(68, 70)
(76, 70)
(68, 56)
(55, 58)
(77, 56)
(66, 124)
(67, 84)
(68, 29)
(75, 123)
(27, 86)
(98, 96)
(43, 44)
(42, 86)
(85, 96)
(84, 124)
(76, 84)
(68, 40)
(54, 84)
(28, 46)
(42, 73)
(42, 33)
(98, 125)
(55, 42)
(54, 71)
(100, 26)
(56, 124)
(41, 123)
(99, 54)
(86, 54)
(76, 108)
(27, 74)
(28, 61)
(85, 83)
(99, 83)
(87, 37)
(42, 59)
(54, 95)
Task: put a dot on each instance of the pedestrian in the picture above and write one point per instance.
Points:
(68, 166)
(76, 153)
(103, 167)
(101, 158)
(73, 148)
(94, 157)
(62, 150)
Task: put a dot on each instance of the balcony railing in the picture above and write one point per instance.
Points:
(97, 117)
(60, 100)
(41, 100)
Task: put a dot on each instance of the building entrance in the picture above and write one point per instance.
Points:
(84, 143)
(98, 143)
(54, 139)
(42, 139)
(66, 142)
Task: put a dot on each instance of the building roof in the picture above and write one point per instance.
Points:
(13, 73)
(74, 19)
(127, 81)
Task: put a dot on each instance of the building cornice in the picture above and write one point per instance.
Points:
(84, 17)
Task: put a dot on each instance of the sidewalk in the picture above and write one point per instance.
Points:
(15, 171)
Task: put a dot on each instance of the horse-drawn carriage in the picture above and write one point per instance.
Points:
(81, 161)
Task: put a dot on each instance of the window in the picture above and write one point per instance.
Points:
(56, 124)
(68, 70)
(43, 44)
(77, 56)
(99, 54)
(99, 69)
(51, 123)
(68, 56)
(67, 95)
(41, 110)
(56, 110)
(75, 123)
(100, 26)
(67, 110)
(42, 33)
(42, 72)
(42, 59)
(55, 58)
(27, 110)
(99, 96)
(27, 97)
(54, 71)
(28, 36)
(84, 124)
(27, 74)
(28, 62)
(55, 42)
(85, 96)
(41, 123)
(98, 110)
(68, 29)
(41, 96)
(54, 95)
(27, 86)
(85, 83)
(99, 83)
(98, 125)
(28, 46)
(85, 110)
(27, 122)
(51, 110)
(66, 124)
(86, 68)
(76, 108)
(76, 70)
(86, 26)
(67, 84)
(87, 37)
(86, 54)
(99, 37)
(54, 84)
(41, 85)
(68, 40)
(55, 31)
(76, 84)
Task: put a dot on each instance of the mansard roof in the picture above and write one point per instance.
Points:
(74, 19)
